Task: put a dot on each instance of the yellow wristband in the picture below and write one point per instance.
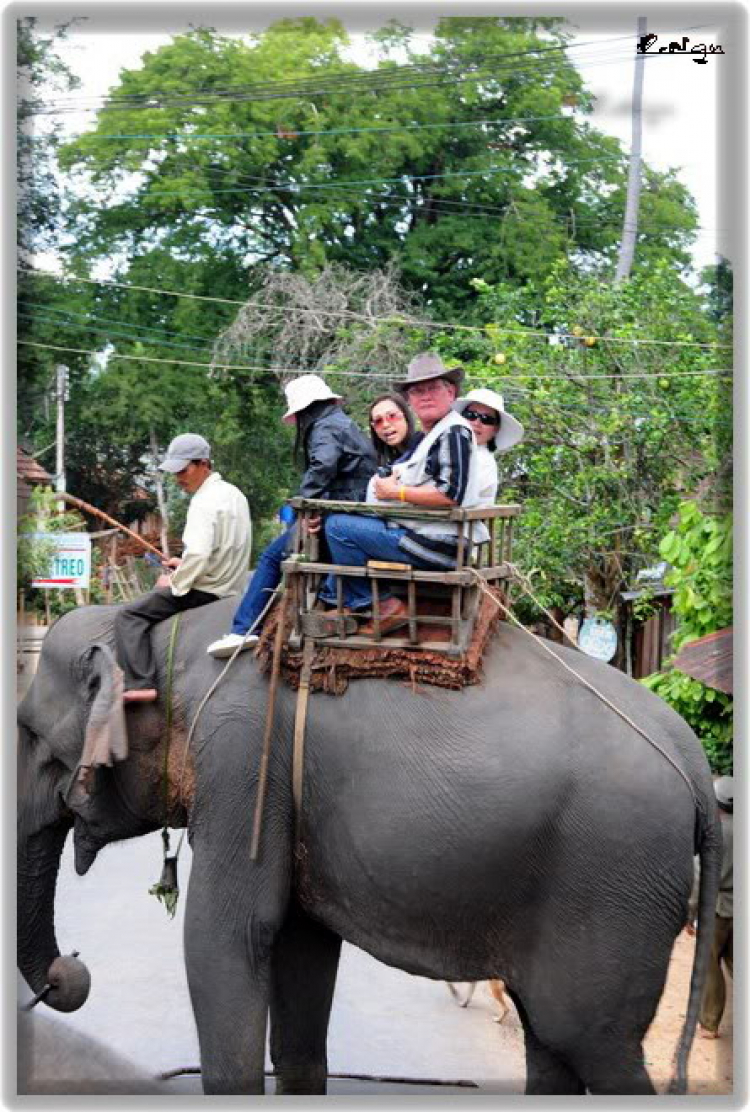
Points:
(401, 493)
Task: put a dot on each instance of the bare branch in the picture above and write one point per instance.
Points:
(338, 320)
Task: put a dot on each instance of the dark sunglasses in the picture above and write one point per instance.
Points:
(483, 418)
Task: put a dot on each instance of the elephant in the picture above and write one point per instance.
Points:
(538, 827)
(54, 1060)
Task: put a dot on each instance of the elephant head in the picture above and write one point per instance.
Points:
(71, 731)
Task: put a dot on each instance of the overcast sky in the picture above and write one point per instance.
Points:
(681, 97)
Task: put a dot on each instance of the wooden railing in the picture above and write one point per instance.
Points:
(491, 559)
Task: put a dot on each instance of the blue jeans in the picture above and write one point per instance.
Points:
(354, 539)
(266, 578)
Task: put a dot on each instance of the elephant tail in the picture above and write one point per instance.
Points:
(709, 854)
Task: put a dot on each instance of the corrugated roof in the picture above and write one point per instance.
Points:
(27, 468)
(709, 659)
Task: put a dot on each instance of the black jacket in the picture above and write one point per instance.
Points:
(340, 460)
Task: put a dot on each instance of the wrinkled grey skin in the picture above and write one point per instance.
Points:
(517, 829)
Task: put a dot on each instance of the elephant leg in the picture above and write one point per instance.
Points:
(546, 1072)
(228, 945)
(613, 1066)
(603, 1061)
(305, 964)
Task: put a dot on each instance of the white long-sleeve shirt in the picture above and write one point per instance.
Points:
(217, 541)
(488, 477)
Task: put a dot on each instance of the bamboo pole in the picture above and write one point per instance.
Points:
(87, 508)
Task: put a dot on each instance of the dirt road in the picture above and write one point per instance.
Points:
(710, 1069)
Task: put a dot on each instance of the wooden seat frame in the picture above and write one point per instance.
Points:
(491, 560)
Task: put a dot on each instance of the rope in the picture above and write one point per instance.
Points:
(168, 720)
(521, 579)
(265, 754)
(276, 594)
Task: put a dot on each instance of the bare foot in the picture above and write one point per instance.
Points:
(140, 695)
(706, 1034)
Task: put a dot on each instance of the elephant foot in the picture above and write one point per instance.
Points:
(301, 1085)
(140, 695)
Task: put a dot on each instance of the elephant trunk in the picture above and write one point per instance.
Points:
(62, 982)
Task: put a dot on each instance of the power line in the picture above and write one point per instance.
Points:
(135, 337)
(291, 133)
(350, 315)
(160, 334)
(405, 179)
(379, 80)
(311, 86)
(360, 83)
(513, 394)
(365, 374)
(68, 313)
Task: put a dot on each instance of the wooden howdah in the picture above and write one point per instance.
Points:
(450, 614)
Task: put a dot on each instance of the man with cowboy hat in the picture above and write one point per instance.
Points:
(440, 473)
(214, 563)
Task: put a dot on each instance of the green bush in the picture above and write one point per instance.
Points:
(700, 552)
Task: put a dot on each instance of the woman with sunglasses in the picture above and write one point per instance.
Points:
(495, 430)
(392, 428)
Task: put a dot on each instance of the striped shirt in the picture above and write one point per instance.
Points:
(447, 468)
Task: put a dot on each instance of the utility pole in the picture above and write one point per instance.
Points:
(630, 224)
(161, 500)
(61, 393)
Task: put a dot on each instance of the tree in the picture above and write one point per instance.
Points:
(356, 329)
(277, 149)
(615, 388)
(39, 208)
(699, 549)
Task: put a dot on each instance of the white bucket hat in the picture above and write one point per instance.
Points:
(510, 431)
(305, 390)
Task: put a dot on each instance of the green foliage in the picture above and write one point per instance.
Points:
(40, 72)
(469, 170)
(33, 554)
(700, 551)
(619, 427)
(495, 205)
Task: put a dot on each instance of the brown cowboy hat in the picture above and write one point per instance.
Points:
(425, 366)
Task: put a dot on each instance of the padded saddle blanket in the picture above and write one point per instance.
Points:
(334, 666)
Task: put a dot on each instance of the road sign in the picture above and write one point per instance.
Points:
(70, 565)
(598, 638)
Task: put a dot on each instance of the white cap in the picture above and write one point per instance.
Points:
(182, 450)
(510, 431)
(305, 390)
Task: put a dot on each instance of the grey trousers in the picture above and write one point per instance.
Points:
(133, 631)
(715, 989)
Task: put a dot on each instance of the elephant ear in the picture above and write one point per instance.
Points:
(106, 738)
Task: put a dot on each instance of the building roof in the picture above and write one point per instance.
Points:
(709, 660)
(29, 470)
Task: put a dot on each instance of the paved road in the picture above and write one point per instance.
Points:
(384, 1022)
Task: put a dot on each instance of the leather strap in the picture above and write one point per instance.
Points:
(298, 751)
